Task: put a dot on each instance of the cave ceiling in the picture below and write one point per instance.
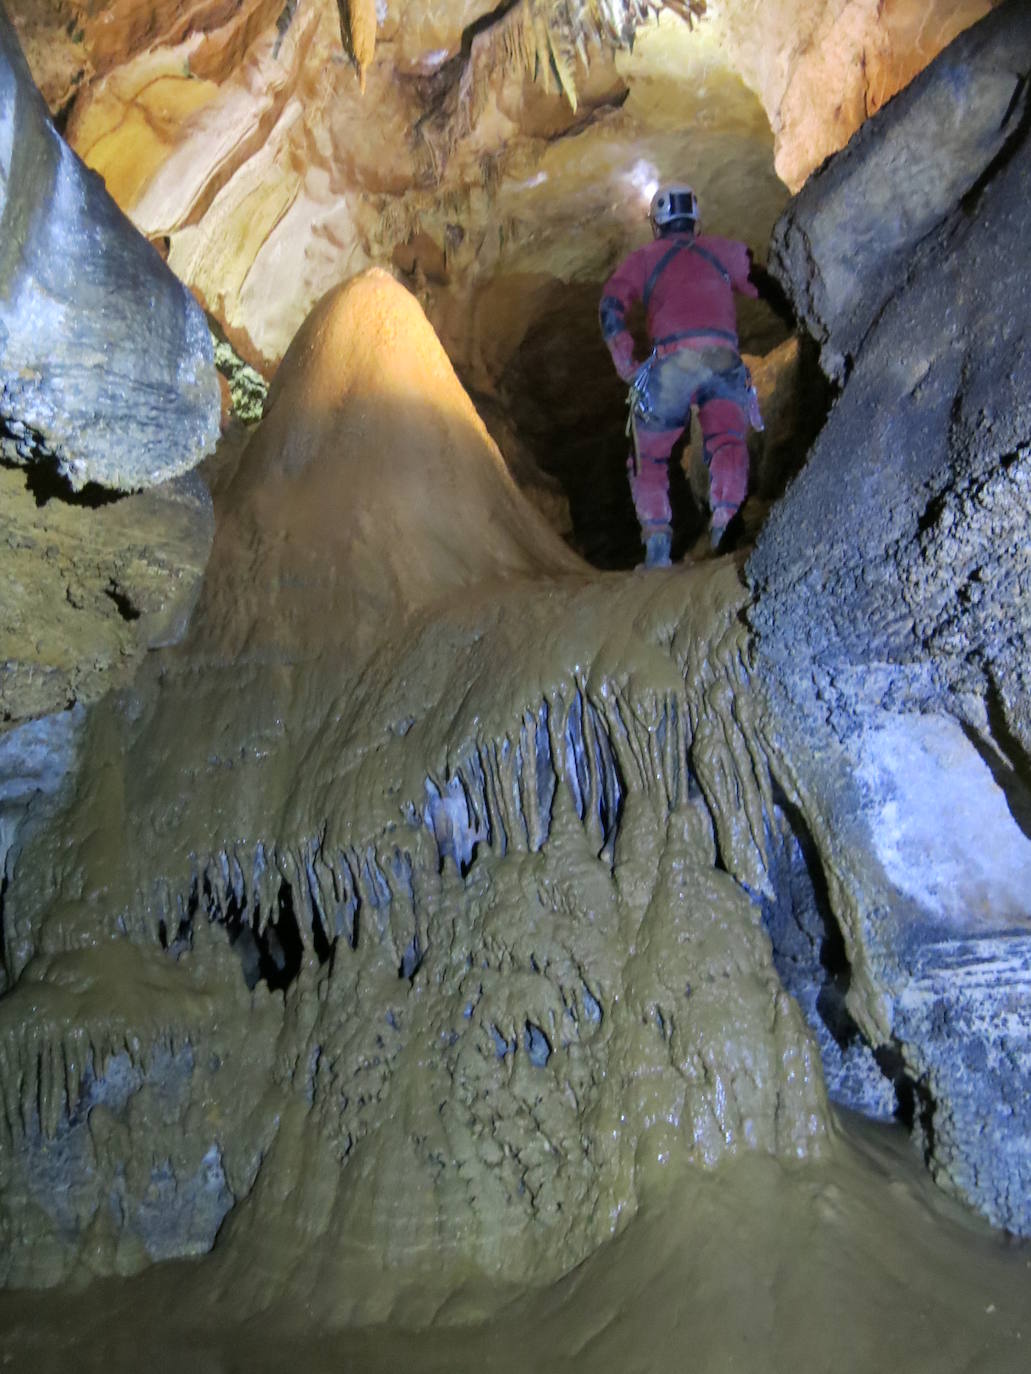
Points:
(482, 152)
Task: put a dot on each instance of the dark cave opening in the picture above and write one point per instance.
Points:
(569, 407)
(272, 954)
(123, 602)
(280, 946)
(811, 957)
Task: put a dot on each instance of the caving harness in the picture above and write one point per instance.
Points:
(735, 383)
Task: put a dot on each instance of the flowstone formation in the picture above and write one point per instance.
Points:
(895, 645)
(412, 903)
(106, 363)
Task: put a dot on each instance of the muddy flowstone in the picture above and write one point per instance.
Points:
(472, 828)
(407, 931)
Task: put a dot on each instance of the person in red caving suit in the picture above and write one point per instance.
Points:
(686, 282)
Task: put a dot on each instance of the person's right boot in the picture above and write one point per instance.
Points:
(657, 550)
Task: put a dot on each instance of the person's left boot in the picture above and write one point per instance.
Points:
(716, 533)
(657, 549)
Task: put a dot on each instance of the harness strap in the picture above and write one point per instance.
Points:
(711, 259)
(612, 315)
(697, 334)
(658, 270)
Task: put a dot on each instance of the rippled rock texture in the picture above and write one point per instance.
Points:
(897, 640)
(106, 363)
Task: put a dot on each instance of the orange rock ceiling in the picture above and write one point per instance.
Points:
(489, 146)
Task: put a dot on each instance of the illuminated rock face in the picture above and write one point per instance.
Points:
(106, 364)
(481, 149)
(852, 233)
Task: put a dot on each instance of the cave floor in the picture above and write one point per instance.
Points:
(854, 1263)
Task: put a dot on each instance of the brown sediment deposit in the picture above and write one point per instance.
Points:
(446, 808)
(853, 1263)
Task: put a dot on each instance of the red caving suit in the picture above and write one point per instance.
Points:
(686, 284)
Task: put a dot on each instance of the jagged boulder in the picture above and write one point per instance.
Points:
(893, 585)
(106, 363)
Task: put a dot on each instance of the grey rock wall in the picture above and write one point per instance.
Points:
(846, 245)
(106, 363)
(893, 591)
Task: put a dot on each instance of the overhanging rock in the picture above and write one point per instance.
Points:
(106, 363)
(845, 245)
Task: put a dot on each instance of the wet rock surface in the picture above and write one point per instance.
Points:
(897, 640)
(467, 859)
(450, 936)
(106, 364)
(91, 584)
(847, 244)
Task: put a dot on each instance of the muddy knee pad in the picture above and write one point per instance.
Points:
(724, 429)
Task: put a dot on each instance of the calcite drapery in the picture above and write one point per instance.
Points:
(413, 847)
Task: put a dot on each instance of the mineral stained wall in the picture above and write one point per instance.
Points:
(478, 137)
(88, 588)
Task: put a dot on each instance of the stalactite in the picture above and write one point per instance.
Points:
(595, 743)
(358, 33)
(45, 1065)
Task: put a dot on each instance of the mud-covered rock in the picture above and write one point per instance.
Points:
(90, 585)
(453, 847)
(106, 364)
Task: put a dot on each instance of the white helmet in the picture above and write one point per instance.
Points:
(673, 207)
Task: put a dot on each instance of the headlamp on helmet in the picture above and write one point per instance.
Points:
(674, 209)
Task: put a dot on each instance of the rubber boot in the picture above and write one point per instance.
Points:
(719, 524)
(657, 550)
